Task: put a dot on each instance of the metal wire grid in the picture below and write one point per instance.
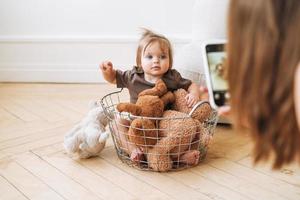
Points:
(119, 123)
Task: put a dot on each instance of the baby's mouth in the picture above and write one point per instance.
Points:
(155, 67)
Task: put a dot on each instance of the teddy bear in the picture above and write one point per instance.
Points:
(161, 138)
(150, 103)
(88, 137)
(180, 137)
(200, 111)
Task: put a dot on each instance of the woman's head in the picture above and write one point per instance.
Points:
(154, 48)
(263, 53)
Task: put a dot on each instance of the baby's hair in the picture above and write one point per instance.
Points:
(149, 37)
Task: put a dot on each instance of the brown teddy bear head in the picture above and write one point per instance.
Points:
(151, 102)
(151, 106)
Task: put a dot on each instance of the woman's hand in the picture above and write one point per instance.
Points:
(224, 111)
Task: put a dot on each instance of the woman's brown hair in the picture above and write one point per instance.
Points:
(148, 37)
(263, 53)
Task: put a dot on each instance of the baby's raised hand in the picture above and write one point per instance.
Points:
(108, 72)
(191, 99)
(106, 66)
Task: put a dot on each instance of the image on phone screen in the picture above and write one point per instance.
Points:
(216, 57)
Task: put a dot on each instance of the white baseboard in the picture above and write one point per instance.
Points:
(65, 59)
(51, 76)
(60, 73)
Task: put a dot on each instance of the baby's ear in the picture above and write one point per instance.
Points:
(129, 107)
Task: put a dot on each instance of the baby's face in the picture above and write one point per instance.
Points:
(155, 61)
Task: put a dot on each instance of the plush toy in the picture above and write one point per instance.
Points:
(172, 139)
(200, 114)
(150, 103)
(88, 137)
(180, 137)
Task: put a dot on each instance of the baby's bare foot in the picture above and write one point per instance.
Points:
(190, 157)
(136, 155)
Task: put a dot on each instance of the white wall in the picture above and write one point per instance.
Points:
(208, 23)
(64, 40)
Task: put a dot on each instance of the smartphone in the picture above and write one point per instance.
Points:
(214, 57)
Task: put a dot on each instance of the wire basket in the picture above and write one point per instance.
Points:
(175, 143)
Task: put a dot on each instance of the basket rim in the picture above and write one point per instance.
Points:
(213, 115)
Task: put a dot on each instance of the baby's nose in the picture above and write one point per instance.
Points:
(155, 59)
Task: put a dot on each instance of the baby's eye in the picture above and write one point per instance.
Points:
(163, 57)
(149, 56)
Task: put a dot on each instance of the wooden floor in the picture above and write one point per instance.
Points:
(33, 164)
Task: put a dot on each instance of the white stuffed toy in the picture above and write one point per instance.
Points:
(88, 137)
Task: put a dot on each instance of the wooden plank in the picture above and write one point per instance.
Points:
(55, 148)
(233, 152)
(32, 145)
(34, 89)
(5, 155)
(96, 183)
(122, 176)
(236, 184)
(59, 129)
(5, 115)
(165, 184)
(63, 185)
(19, 111)
(27, 183)
(63, 111)
(9, 191)
(289, 174)
(73, 105)
(226, 143)
(37, 109)
(56, 138)
(21, 129)
(205, 186)
(50, 102)
(49, 150)
(8, 124)
(276, 186)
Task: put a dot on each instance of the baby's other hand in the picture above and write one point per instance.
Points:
(191, 99)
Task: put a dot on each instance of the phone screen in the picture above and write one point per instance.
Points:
(216, 57)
